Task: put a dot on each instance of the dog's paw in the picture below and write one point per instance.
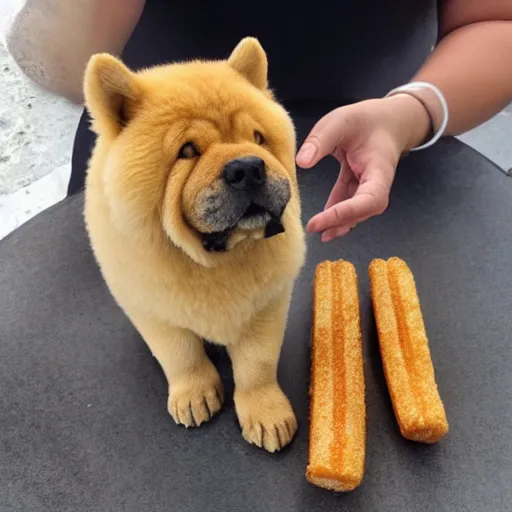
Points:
(266, 417)
(195, 398)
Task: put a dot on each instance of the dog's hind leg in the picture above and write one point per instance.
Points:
(195, 388)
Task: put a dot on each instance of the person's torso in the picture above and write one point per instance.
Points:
(316, 50)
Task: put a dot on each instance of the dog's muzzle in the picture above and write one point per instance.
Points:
(247, 199)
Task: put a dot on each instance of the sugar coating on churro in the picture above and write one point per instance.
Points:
(337, 390)
(405, 352)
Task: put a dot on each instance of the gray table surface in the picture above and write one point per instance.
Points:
(83, 421)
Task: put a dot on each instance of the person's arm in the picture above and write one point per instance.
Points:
(52, 40)
(471, 65)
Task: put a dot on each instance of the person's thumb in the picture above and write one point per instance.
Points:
(326, 135)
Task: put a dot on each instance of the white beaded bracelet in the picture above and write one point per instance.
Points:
(424, 92)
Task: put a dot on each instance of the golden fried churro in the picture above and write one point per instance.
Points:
(405, 352)
(337, 407)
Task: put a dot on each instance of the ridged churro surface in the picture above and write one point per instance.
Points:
(337, 392)
(405, 352)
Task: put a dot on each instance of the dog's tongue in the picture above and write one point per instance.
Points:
(274, 227)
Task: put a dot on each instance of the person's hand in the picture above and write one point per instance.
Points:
(367, 138)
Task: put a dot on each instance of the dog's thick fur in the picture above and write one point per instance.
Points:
(144, 210)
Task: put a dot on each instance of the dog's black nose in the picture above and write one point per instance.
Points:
(245, 173)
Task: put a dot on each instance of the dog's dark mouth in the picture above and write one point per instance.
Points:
(254, 210)
(216, 242)
(256, 216)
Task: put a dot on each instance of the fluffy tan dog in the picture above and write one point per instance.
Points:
(193, 212)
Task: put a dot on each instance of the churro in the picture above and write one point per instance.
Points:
(337, 406)
(405, 352)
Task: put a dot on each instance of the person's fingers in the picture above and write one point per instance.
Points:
(333, 233)
(338, 193)
(346, 213)
(341, 189)
(323, 139)
(370, 199)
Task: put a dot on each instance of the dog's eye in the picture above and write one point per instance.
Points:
(188, 150)
(258, 138)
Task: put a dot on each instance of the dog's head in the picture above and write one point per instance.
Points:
(199, 150)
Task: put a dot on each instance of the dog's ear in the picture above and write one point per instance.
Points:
(250, 60)
(112, 93)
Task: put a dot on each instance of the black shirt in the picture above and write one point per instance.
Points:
(344, 50)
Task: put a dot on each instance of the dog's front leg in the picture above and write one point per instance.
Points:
(195, 388)
(264, 412)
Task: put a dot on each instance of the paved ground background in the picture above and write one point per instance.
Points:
(37, 130)
(36, 137)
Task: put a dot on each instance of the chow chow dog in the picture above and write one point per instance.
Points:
(193, 213)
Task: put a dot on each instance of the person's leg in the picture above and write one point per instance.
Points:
(82, 149)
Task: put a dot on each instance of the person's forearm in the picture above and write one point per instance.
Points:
(52, 39)
(473, 68)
